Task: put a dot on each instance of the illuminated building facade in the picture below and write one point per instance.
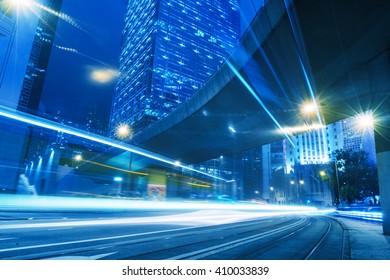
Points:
(318, 146)
(299, 166)
(169, 49)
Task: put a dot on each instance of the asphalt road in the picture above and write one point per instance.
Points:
(205, 234)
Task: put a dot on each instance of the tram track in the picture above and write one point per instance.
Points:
(287, 237)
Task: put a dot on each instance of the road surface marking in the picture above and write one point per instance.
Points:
(95, 257)
(93, 240)
(232, 244)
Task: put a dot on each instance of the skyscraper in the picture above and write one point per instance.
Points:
(7, 34)
(39, 58)
(16, 36)
(169, 49)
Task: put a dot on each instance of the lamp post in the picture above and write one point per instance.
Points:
(272, 194)
(337, 183)
(292, 183)
(124, 132)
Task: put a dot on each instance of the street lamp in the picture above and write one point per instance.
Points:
(78, 157)
(309, 108)
(365, 121)
(337, 182)
(123, 131)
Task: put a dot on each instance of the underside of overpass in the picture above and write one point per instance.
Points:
(314, 50)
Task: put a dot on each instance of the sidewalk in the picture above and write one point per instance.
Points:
(366, 240)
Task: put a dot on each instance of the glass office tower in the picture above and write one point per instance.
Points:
(34, 78)
(169, 49)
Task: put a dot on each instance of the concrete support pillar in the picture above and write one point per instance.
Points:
(379, 70)
(384, 185)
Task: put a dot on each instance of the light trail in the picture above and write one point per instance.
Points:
(249, 88)
(115, 168)
(52, 203)
(302, 129)
(362, 215)
(75, 51)
(40, 122)
(60, 15)
(24, 5)
(300, 52)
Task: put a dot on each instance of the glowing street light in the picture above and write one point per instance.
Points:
(322, 173)
(118, 179)
(123, 131)
(309, 108)
(366, 121)
(78, 158)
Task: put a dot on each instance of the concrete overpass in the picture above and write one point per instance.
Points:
(337, 44)
(334, 52)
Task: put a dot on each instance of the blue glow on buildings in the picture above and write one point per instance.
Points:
(169, 50)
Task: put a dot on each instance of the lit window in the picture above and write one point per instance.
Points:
(199, 33)
(212, 39)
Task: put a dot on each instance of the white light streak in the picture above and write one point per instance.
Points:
(250, 89)
(301, 129)
(100, 73)
(206, 213)
(60, 15)
(232, 129)
(40, 122)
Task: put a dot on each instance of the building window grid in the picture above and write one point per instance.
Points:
(182, 84)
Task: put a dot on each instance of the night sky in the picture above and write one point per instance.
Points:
(96, 36)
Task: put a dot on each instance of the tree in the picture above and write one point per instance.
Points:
(357, 176)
